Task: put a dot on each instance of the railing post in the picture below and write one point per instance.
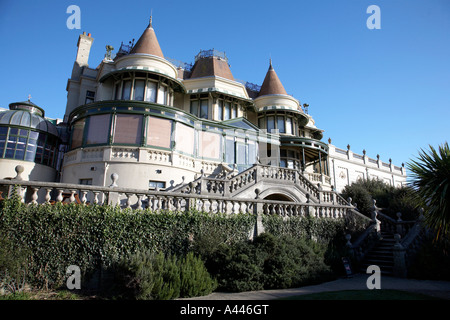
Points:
(399, 258)
(375, 220)
(258, 212)
(113, 197)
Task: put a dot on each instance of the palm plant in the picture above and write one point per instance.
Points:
(431, 180)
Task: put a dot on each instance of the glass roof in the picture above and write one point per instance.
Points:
(26, 119)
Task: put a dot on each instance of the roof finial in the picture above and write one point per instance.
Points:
(270, 62)
(150, 23)
(29, 97)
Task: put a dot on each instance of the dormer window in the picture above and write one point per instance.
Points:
(226, 109)
(200, 106)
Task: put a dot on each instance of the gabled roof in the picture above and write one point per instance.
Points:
(148, 43)
(271, 84)
(242, 123)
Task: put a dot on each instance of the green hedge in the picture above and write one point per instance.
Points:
(269, 262)
(93, 237)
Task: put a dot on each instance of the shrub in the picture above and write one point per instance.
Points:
(148, 276)
(432, 262)
(195, 279)
(389, 199)
(13, 267)
(268, 262)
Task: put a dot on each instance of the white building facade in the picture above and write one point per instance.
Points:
(160, 124)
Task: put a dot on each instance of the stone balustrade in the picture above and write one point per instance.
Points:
(231, 186)
(214, 201)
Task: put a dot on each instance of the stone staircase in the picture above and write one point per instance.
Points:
(262, 177)
(381, 254)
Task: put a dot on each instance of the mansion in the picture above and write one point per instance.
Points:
(160, 124)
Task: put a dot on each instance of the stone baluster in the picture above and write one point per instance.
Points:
(34, 196)
(84, 196)
(59, 197)
(72, 196)
(399, 258)
(47, 195)
(139, 201)
(96, 193)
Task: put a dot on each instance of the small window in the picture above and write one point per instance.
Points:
(281, 125)
(139, 89)
(270, 124)
(234, 111)
(86, 182)
(162, 99)
(289, 125)
(150, 95)
(227, 111)
(220, 110)
(194, 107)
(90, 95)
(126, 90)
(156, 185)
(203, 109)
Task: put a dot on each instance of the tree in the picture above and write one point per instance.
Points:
(431, 182)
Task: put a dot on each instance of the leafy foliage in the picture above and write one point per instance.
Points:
(93, 237)
(268, 262)
(430, 174)
(148, 276)
(388, 198)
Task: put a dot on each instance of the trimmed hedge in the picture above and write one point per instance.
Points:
(93, 237)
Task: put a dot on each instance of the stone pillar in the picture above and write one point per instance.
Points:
(113, 197)
(399, 258)
(258, 212)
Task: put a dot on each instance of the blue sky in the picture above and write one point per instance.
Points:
(386, 91)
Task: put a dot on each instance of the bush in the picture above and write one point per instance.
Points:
(93, 237)
(389, 199)
(268, 262)
(195, 279)
(148, 276)
(13, 267)
(432, 262)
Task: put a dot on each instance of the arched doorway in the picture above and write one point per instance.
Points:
(278, 197)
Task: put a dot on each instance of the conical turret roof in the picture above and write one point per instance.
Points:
(148, 43)
(271, 84)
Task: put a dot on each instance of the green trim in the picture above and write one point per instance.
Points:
(286, 142)
(144, 69)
